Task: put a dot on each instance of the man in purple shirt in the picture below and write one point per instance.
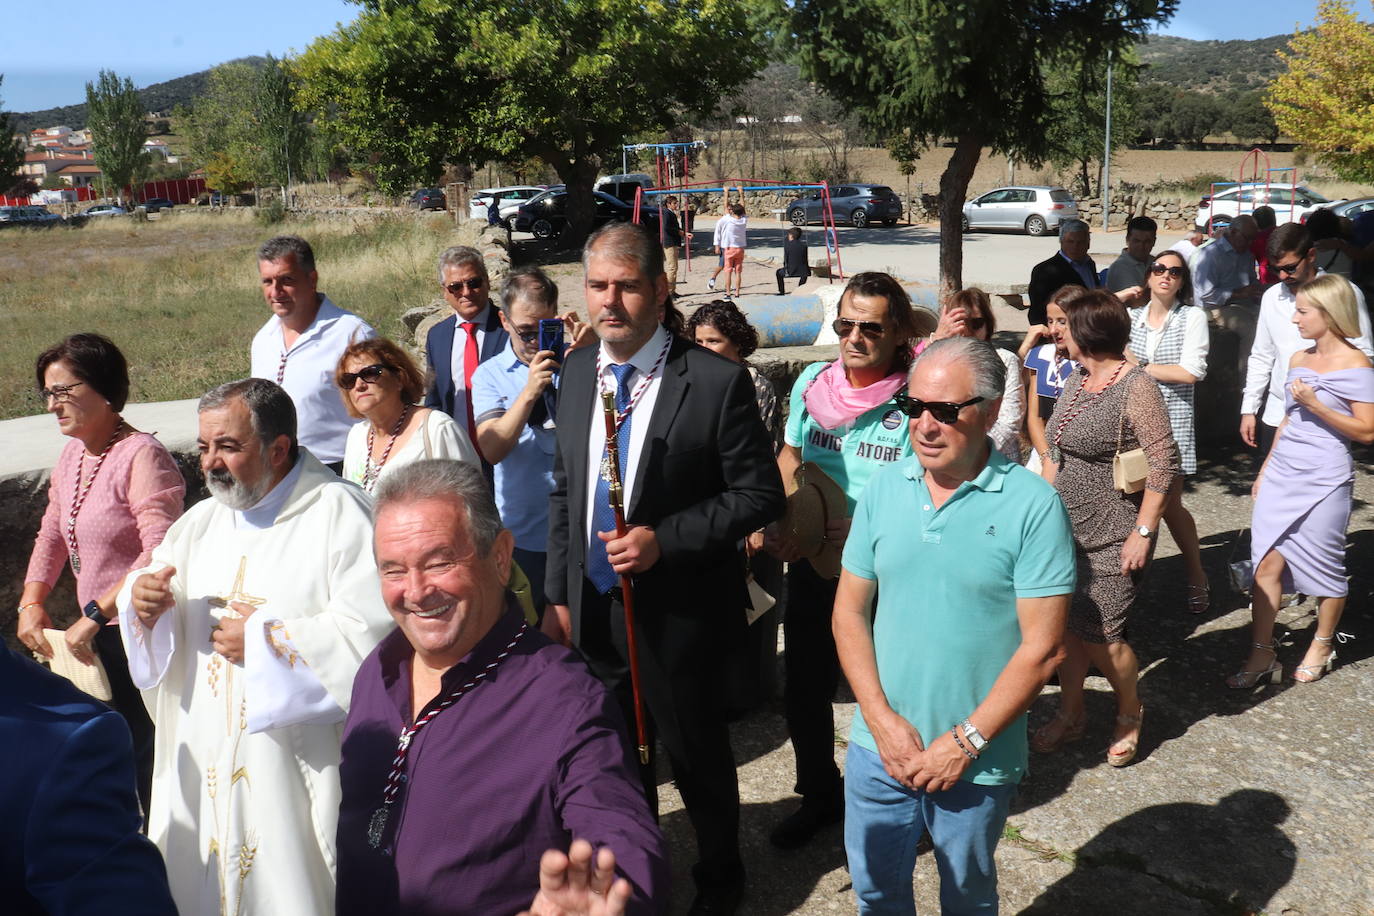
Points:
(507, 746)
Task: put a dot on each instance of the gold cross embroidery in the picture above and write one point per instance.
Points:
(236, 593)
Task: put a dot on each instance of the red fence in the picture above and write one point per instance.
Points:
(181, 191)
(78, 194)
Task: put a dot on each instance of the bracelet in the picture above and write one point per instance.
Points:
(25, 607)
(959, 741)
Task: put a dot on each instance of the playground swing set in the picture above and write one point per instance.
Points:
(1253, 200)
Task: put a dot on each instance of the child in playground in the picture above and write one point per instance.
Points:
(794, 260)
(731, 238)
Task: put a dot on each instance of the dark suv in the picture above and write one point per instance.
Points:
(429, 199)
(546, 214)
(857, 204)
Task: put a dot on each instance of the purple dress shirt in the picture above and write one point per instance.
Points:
(531, 758)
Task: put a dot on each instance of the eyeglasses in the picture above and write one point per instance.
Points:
(1160, 270)
(528, 337)
(368, 374)
(1289, 269)
(873, 330)
(474, 285)
(63, 393)
(944, 412)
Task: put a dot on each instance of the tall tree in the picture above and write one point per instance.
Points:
(1325, 100)
(414, 84)
(115, 117)
(283, 133)
(971, 71)
(1078, 106)
(11, 150)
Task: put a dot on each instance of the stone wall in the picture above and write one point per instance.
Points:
(1172, 213)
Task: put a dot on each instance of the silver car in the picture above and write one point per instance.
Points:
(1035, 208)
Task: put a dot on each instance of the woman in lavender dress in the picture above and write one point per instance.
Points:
(1302, 494)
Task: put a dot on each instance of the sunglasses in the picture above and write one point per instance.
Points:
(873, 330)
(1288, 269)
(1160, 270)
(528, 337)
(473, 285)
(369, 374)
(943, 411)
(62, 393)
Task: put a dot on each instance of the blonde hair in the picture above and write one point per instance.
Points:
(1332, 295)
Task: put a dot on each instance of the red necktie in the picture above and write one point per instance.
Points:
(470, 359)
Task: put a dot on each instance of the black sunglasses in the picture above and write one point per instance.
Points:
(1160, 270)
(943, 411)
(873, 330)
(1289, 269)
(528, 337)
(457, 288)
(369, 374)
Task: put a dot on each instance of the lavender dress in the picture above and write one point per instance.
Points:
(1303, 506)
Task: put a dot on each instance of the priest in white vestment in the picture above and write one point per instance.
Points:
(245, 633)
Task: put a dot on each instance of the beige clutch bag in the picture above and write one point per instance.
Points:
(90, 679)
(1129, 469)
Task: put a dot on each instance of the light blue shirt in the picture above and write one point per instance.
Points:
(1219, 271)
(948, 581)
(524, 478)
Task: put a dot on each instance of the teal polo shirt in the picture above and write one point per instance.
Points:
(850, 455)
(948, 580)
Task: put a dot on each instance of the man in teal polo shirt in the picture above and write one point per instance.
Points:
(972, 560)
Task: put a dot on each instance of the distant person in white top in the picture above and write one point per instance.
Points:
(1226, 285)
(381, 385)
(1189, 246)
(1293, 257)
(300, 345)
(730, 239)
(1126, 277)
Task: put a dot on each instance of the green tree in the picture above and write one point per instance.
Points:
(1192, 116)
(1325, 99)
(282, 132)
(1249, 119)
(11, 150)
(115, 117)
(411, 85)
(971, 71)
(1078, 108)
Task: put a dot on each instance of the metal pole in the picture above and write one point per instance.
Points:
(1107, 152)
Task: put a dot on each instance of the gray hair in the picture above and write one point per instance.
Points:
(989, 372)
(528, 283)
(444, 478)
(626, 242)
(1073, 225)
(274, 249)
(270, 409)
(462, 256)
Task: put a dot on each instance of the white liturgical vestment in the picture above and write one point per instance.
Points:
(245, 774)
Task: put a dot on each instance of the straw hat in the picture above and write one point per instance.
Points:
(814, 500)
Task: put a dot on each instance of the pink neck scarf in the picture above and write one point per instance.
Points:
(833, 402)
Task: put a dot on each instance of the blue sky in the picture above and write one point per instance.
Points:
(146, 44)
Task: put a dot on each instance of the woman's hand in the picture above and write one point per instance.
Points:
(1034, 334)
(33, 619)
(953, 323)
(1134, 553)
(1254, 487)
(80, 636)
(1303, 394)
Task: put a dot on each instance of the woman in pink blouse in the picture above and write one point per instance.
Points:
(113, 494)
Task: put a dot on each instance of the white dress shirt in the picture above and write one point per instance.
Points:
(1276, 340)
(460, 342)
(322, 421)
(1219, 271)
(643, 361)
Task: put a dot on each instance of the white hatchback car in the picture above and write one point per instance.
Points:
(1036, 209)
(512, 198)
(1222, 207)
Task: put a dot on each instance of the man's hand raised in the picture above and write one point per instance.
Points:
(152, 595)
(574, 885)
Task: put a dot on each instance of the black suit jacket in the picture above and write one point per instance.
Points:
(1046, 278)
(71, 841)
(439, 355)
(706, 477)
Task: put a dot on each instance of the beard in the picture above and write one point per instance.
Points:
(233, 493)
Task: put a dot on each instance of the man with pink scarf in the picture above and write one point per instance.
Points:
(844, 420)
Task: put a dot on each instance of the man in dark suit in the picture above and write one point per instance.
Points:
(470, 336)
(1070, 264)
(71, 841)
(699, 475)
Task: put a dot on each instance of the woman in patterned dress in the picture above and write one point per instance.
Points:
(1106, 406)
(1169, 340)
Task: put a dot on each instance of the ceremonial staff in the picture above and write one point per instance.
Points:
(611, 468)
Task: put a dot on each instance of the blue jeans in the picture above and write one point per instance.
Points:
(884, 820)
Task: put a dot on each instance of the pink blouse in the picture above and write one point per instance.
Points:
(135, 498)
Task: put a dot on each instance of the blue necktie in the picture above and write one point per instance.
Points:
(599, 571)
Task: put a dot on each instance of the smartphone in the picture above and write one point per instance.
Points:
(551, 336)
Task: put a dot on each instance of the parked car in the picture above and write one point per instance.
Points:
(154, 204)
(104, 210)
(1037, 209)
(624, 186)
(429, 199)
(545, 215)
(857, 204)
(1352, 208)
(1222, 207)
(28, 215)
(512, 199)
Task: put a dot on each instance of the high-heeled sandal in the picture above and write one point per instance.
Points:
(1130, 745)
(1307, 674)
(1047, 740)
(1199, 598)
(1244, 680)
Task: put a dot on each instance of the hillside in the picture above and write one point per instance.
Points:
(161, 97)
(1211, 66)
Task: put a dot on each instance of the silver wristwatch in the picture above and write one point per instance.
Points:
(1144, 532)
(974, 736)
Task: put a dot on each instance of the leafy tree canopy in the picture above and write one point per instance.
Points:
(115, 117)
(1325, 100)
(11, 150)
(1078, 107)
